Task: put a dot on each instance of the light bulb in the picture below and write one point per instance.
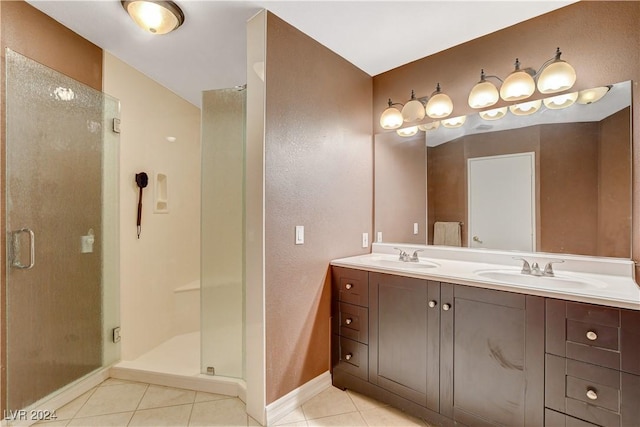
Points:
(561, 101)
(518, 85)
(391, 118)
(439, 105)
(483, 94)
(410, 131)
(525, 108)
(557, 76)
(495, 114)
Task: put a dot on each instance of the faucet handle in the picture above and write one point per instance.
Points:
(414, 257)
(402, 255)
(526, 268)
(548, 269)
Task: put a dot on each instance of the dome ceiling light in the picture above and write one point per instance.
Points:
(155, 17)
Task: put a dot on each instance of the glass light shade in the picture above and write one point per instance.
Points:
(454, 122)
(526, 108)
(429, 126)
(556, 77)
(495, 114)
(439, 106)
(156, 17)
(391, 118)
(561, 101)
(517, 86)
(410, 131)
(483, 94)
(413, 111)
(589, 96)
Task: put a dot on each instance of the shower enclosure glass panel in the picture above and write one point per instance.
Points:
(61, 195)
(222, 259)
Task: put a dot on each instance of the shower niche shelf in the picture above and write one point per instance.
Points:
(160, 202)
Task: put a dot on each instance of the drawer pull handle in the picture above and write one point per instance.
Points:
(432, 303)
(446, 307)
(348, 321)
(591, 394)
(592, 336)
(348, 286)
(348, 356)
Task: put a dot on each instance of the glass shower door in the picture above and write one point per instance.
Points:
(59, 194)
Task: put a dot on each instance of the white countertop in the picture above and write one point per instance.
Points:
(607, 281)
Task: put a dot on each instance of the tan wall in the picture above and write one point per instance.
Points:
(400, 180)
(33, 34)
(600, 39)
(318, 173)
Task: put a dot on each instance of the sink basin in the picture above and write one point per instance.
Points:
(559, 281)
(394, 262)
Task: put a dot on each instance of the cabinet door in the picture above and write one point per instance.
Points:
(492, 350)
(404, 337)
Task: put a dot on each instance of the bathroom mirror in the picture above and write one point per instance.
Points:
(578, 199)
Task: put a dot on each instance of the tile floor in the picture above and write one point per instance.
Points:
(125, 403)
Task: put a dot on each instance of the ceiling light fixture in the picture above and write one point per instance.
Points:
(555, 75)
(156, 17)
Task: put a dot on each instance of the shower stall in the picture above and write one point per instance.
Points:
(60, 208)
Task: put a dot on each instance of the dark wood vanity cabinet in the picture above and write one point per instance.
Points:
(451, 354)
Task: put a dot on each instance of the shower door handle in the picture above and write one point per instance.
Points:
(15, 249)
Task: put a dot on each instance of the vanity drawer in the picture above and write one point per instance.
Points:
(351, 286)
(598, 395)
(353, 357)
(603, 336)
(556, 419)
(354, 322)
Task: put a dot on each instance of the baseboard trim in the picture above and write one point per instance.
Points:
(210, 384)
(60, 398)
(290, 401)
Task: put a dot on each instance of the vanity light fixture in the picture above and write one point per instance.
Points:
(589, 96)
(410, 131)
(484, 93)
(154, 16)
(439, 104)
(413, 110)
(559, 102)
(525, 108)
(518, 85)
(454, 122)
(495, 114)
(391, 118)
(556, 75)
(429, 126)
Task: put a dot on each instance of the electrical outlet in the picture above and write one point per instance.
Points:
(116, 334)
(379, 239)
(365, 240)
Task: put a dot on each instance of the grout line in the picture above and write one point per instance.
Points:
(138, 405)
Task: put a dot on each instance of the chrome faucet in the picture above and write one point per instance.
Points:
(534, 268)
(405, 257)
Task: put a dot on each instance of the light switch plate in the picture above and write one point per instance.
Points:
(365, 240)
(415, 228)
(299, 234)
(379, 239)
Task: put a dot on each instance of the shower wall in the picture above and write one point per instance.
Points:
(167, 255)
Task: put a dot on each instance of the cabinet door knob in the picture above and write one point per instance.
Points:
(348, 286)
(591, 394)
(348, 356)
(592, 336)
(446, 307)
(432, 303)
(348, 321)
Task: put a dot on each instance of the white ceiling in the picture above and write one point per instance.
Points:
(209, 50)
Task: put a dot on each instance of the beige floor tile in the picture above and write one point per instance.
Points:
(387, 416)
(331, 401)
(112, 399)
(225, 412)
(295, 424)
(352, 419)
(172, 416)
(201, 396)
(251, 422)
(292, 417)
(111, 420)
(116, 381)
(56, 423)
(69, 410)
(158, 397)
(363, 402)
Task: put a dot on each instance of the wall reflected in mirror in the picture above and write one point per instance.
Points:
(580, 191)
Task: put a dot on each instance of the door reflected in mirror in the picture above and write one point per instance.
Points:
(581, 162)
